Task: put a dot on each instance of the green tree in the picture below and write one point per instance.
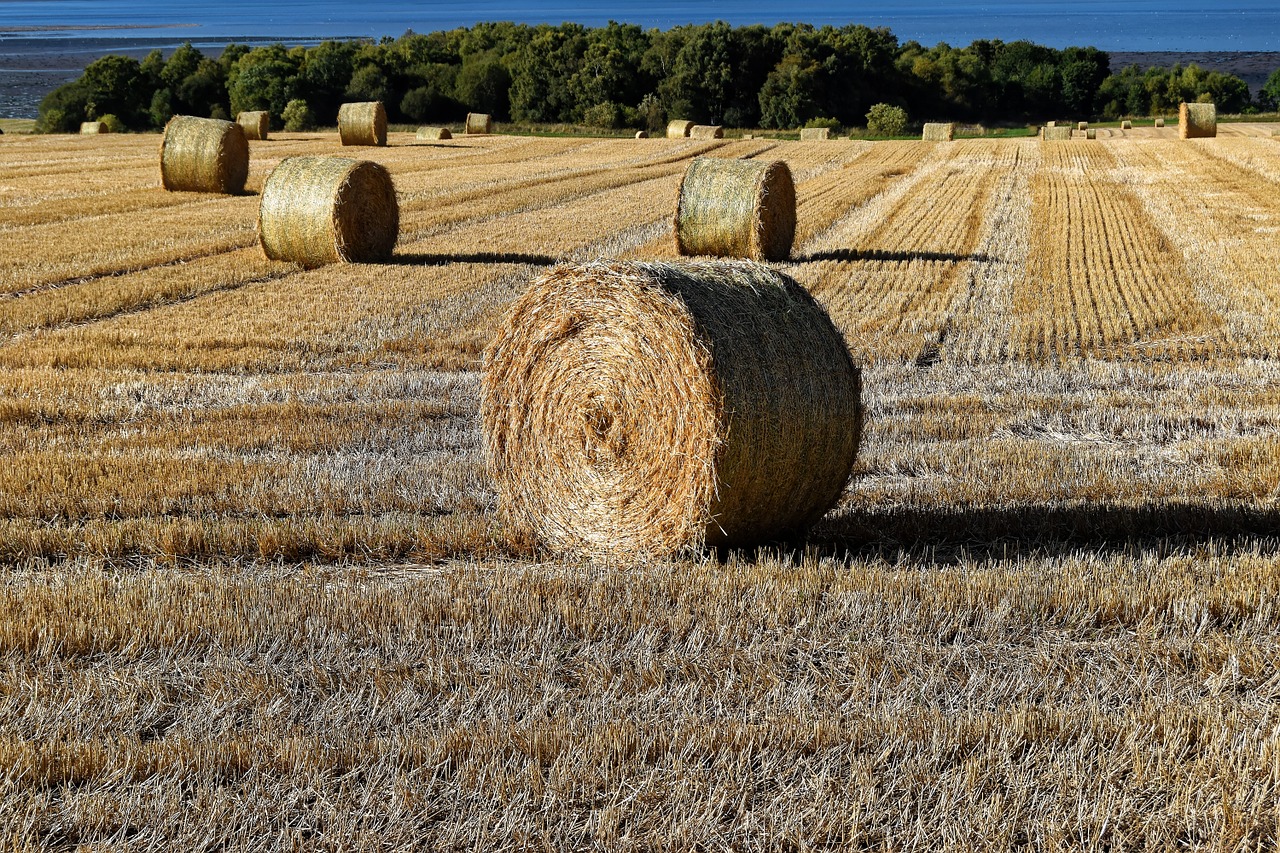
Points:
(1269, 95)
(542, 74)
(265, 78)
(113, 84)
(789, 96)
(483, 85)
(887, 120)
(62, 110)
(297, 116)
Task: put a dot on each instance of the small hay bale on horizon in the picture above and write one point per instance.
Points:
(1159, 122)
(938, 131)
(1084, 125)
(322, 210)
(736, 209)
(814, 134)
(206, 155)
(678, 128)
(479, 124)
(1126, 125)
(706, 131)
(433, 133)
(362, 123)
(1056, 134)
(256, 123)
(642, 134)
(1197, 121)
(1051, 124)
(633, 408)
(94, 127)
(1091, 134)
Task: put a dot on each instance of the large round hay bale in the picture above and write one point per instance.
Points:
(706, 131)
(94, 127)
(479, 123)
(255, 123)
(1197, 121)
(678, 128)
(321, 210)
(362, 123)
(205, 155)
(736, 209)
(632, 407)
(433, 133)
(938, 131)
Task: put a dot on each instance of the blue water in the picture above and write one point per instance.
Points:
(1129, 25)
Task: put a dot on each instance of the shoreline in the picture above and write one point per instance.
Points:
(32, 67)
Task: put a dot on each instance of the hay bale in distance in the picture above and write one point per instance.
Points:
(1159, 122)
(94, 127)
(938, 131)
(1056, 134)
(1084, 125)
(479, 123)
(256, 123)
(650, 408)
(1126, 125)
(706, 131)
(321, 210)
(642, 134)
(206, 155)
(362, 123)
(1051, 124)
(1091, 134)
(1197, 121)
(736, 209)
(814, 134)
(678, 128)
(433, 133)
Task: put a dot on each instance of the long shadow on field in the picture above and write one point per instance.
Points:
(999, 533)
(886, 255)
(430, 260)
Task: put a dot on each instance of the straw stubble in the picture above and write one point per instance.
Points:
(650, 408)
(321, 210)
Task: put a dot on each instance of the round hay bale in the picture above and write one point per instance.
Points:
(206, 155)
(1084, 125)
(736, 209)
(678, 128)
(1126, 125)
(938, 131)
(632, 407)
(256, 123)
(92, 127)
(1091, 133)
(433, 133)
(1197, 121)
(321, 210)
(1056, 134)
(814, 134)
(362, 123)
(479, 123)
(642, 134)
(706, 131)
(1159, 122)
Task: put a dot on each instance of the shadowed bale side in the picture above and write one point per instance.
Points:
(433, 133)
(203, 155)
(321, 210)
(255, 123)
(362, 123)
(633, 407)
(938, 131)
(814, 134)
(1197, 121)
(736, 209)
(479, 123)
(706, 131)
(94, 127)
(678, 128)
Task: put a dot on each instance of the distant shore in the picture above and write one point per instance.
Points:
(30, 67)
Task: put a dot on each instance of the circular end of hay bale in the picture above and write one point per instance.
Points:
(321, 210)
(362, 123)
(255, 123)
(635, 407)
(205, 155)
(642, 134)
(736, 209)
(479, 123)
(678, 128)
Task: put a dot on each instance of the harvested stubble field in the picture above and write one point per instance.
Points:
(255, 594)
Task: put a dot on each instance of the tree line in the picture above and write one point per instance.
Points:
(621, 75)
